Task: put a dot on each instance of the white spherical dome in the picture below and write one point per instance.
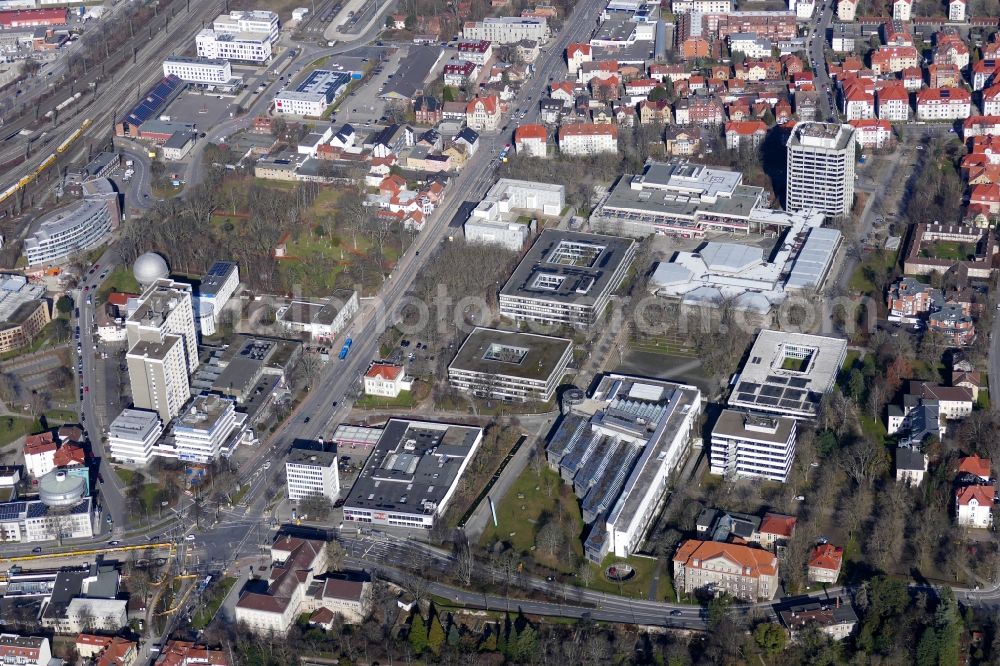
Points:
(149, 268)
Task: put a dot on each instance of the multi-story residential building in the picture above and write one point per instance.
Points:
(835, 619)
(387, 380)
(984, 72)
(950, 49)
(974, 506)
(566, 278)
(957, 11)
(777, 26)
(75, 228)
(509, 366)
(911, 466)
(847, 10)
(821, 168)
(458, 73)
(40, 454)
(133, 435)
(20, 320)
(200, 71)
(701, 6)
(576, 55)
(978, 469)
(531, 140)
(210, 427)
(858, 97)
(750, 45)
(954, 402)
(871, 133)
(825, 562)
(745, 573)
(18, 650)
(216, 288)
(753, 445)
(309, 473)
(909, 298)
(893, 103)
(483, 114)
(507, 30)
(581, 139)
(991, 100)
(699, 109)
(891, 59)
(478, 52)
(745, 133)
(902, 10)
(947, 103)
(953, 322)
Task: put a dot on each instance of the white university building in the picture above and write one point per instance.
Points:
(310, 473)
(133, 434)
(753, 445)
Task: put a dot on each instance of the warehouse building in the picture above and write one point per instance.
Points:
(313, 95)
(150, 107)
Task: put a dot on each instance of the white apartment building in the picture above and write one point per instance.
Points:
(902, 10)
(85, 614)
(752, 445)
(235, 22)
(974, 506)
(201, 71)
(847, 10)
(701, 6)
(310, 473)
(821, 168)
(165, 307)
(750, 45)
(507, 30)
(133, 434)
(208, 429)
(241, 47)
(217, 286)
(77, 227)
(947, 103)
(18, 650)
(581, 139)
(386, 380)
(313, 95)
(957, 11)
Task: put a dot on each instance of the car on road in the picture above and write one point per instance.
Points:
(267, 465)
(36, 549)
(308, 418)
(189, 537)
(114, 543)
(339, 503)
(334, 404)
(675, 613)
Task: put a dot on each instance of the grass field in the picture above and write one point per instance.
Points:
(405, 400)
(121, 280)
(12, 427)
(949, 250)
(530, 502)
(638, 586)
(210, 603)
(875, 263)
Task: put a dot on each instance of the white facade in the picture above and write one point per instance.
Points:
(217, 287)
(750, 45)
(77, 227)
(701, 6)
(312, 473)
(24, 650)
(930, 107)
(821, 168)
(956, 11)
(386, 380)
(204, 431)
(745, 445)
(847, 9)
(582, 142)
(158, 376)
(507, 30)
(84, 614)
(39, 464)
(235, 22)
(974, 509)
(165, 307)
(902, 9)
(199, 70)
(133, 434)
(243, 47)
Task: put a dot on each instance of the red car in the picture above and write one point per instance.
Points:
(86, 389)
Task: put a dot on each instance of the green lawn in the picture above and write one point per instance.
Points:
(61, 416)
(875, 263)
(125, 475)
(405, 400)
(531, 501)
(12, 427)
(949, 250)
(850, 360)
(120, 279)
(636, 587)
(874, 428)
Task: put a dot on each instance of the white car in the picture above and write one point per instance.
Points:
(189, 537)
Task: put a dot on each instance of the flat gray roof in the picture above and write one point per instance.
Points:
(788, 373)
(155, 350)
(134, 424)
(413, 72)
(568, 266)
(413, 466)
(737, 424)
(522, 355)
(310, 457)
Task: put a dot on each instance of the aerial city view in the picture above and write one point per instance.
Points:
(564, 332)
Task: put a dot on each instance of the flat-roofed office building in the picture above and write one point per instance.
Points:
(821, 168)
(753, 445)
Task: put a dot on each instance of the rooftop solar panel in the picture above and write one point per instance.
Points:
(794, 394)
(798, 382)
(37, 510)
(790, 404)
(772, 391)
(764, 400)
(11, 511)
(158, 96)
(774, 379)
